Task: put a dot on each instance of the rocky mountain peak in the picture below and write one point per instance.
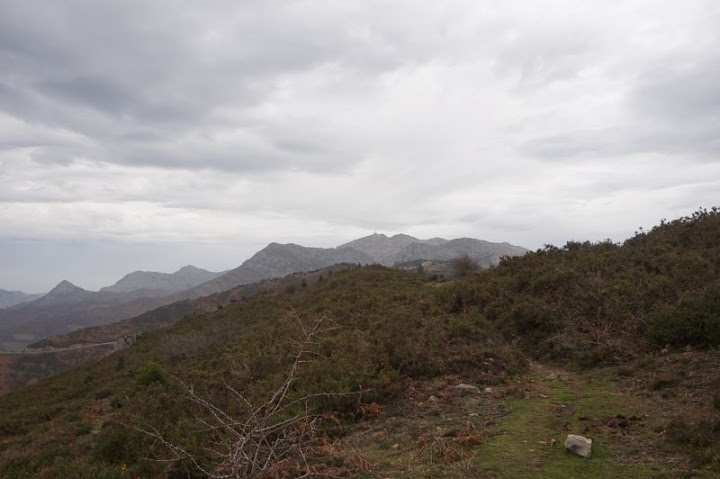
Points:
(65, 288)
(188, 269)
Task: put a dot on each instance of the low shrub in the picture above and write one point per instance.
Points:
(693, 320)
(152, 372)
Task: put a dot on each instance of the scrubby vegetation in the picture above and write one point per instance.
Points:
(393, 345)
(600, 303)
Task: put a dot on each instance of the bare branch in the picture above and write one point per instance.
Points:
(263, 438)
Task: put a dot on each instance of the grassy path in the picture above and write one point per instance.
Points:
(524, 424)
(532, 434)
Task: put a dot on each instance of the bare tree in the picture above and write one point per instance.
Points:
(265, 439)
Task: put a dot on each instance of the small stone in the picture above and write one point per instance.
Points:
(473, 414)
(432, 399)
(468, 388)
(580, 445)
(488, 390)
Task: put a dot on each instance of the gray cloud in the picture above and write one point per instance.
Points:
(670, 104)
(676, 91)
(240, 123)
(696, 140)
(142, 65)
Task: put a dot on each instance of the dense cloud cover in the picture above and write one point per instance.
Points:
(152, 134)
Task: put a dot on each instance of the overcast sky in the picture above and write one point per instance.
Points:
(154, 134)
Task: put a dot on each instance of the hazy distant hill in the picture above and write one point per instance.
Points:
(68, 307)
(11, 298)
(184, 278)
(382, 249)
(277, 260)
(402, 248)
(64, 293)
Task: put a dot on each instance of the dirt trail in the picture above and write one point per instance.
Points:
(517, 430)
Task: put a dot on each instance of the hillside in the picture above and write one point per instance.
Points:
(375, 372)
(53, 355)
(66, 308)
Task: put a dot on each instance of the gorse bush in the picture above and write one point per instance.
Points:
(384, 329)
(593, 303)
(152, 372)
(693, 320)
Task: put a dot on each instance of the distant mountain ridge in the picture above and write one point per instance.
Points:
(277, 260)
(68, 307)
(12, 298)
(184, 278)
(65, 292)
(402, 248)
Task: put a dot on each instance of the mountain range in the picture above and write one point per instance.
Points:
(68, 307)
(277, 260)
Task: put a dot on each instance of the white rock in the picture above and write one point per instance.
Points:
(468, 388)
(580, 445)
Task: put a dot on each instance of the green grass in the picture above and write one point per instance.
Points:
(532, 434)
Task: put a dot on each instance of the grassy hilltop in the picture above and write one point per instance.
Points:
(356, 374)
